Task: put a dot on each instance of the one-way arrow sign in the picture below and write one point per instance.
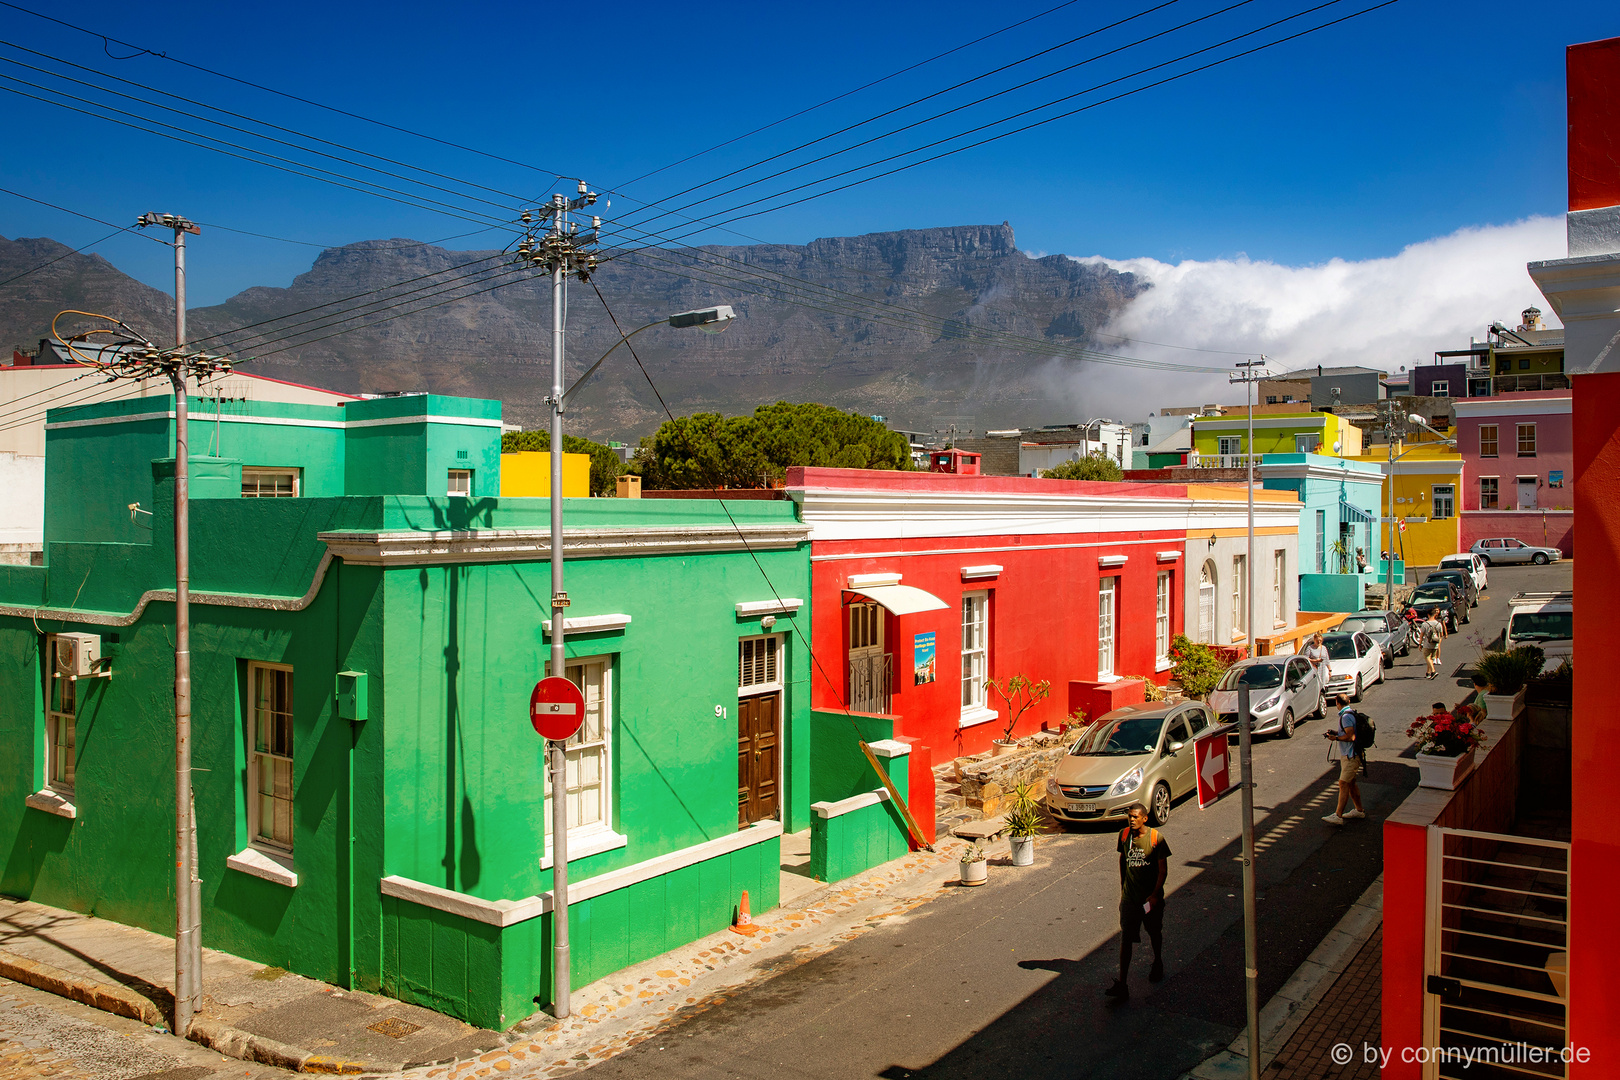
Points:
(1214, 775)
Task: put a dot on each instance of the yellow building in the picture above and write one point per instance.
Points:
(526, 474)
(1428, 494)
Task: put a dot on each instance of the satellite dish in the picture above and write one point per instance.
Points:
(1338, 447)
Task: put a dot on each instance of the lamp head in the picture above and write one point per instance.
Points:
(1414, 418)
(703, 316)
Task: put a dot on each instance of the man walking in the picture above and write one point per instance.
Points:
(1429, 639)
(1144, 862)
(1344, 752)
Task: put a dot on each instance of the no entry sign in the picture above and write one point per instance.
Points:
(1213, 762)
(556, 708)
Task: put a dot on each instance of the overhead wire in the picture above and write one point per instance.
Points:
(59, 258)
(80, 214)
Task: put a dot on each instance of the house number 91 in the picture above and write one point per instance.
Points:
(720, 711)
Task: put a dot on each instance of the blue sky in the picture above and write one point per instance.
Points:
(1396, 127)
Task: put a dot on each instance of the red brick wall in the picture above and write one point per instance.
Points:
(1594, 124)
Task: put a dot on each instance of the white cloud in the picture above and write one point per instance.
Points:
(1382, 313)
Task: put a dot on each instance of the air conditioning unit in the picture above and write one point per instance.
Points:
(77, 654)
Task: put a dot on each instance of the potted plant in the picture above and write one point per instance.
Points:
(1508, 673)
(1020, 692)
(1024, 820)
(975, 869)
(1446, 745)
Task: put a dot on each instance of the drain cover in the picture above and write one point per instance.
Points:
(394, 1027)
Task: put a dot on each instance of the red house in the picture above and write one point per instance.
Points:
(1518, 469)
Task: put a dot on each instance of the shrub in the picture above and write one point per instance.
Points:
(1094, 466)
(1024, 817)
(1020, 692)
(1198, 667)
(1509, 671)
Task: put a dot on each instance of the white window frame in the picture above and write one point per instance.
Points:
(1161, 618)
(1436, 493)
(1240, 575)
(54, 721)
(451, 487)
(1307, 444)
(1107, 626)
(255, 763)
(594, 836)
(1321, 541)
(1496, 492)
(1208, 578)
(1228, 445)
(1279, 567)
(759, 655)
(1440, 388)
(975, 680)
(259, 473)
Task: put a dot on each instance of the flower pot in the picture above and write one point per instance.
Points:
(1023, 850)
(1001, 749)
(975, 872)
(1444, 771)
(1504, 706)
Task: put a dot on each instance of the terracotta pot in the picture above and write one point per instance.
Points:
(975, 872)
(1001, 749)
(1444, 771)
(1023, 850)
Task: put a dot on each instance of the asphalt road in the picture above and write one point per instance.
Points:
(1006, 980)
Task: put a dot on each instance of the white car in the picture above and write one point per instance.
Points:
(1355, 662)
(1474, 564)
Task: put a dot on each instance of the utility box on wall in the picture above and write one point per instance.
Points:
(352, 699)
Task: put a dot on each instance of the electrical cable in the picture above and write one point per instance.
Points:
(59, 258)
(335, 247)
(76, 213)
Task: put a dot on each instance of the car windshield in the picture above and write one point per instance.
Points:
(1454, 576)
(1255, 677)
(1542, 626)
(1437, 591)
(1127, 735)
(1340, 647)
(1375, 625)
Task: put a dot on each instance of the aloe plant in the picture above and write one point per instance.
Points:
(1024, 816)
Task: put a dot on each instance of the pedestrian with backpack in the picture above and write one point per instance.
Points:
(1144, 863)
(1348, 755)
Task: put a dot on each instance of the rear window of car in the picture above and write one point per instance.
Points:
(1340, 647)
(1437, 591)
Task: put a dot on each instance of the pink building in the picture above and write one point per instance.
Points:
(1518, 468)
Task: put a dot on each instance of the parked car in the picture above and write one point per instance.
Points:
(1474, 564)
(1545, 620)
(1387, 628)
(1282, 690)
(1437, 594)
(1141, 753)
(1464, 583)
(1505, 549)
(1355, 662)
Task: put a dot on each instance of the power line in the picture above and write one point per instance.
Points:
(335, 247)
(78, 214)
(59, 258)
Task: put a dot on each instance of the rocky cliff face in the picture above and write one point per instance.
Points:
(887, 323)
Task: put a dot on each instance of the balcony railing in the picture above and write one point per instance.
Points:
(1222, 461)
(871, 679)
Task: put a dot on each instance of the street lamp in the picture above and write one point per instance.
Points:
(1389, 438)
(709, 316)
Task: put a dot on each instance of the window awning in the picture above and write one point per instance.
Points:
(1349, 513)
(901, 599)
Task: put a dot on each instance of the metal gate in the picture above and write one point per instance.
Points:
(1497, 956)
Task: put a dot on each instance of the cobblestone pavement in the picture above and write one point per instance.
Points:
(1347, 1015)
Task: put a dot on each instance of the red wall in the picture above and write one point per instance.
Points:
(1555, 452)
(1594, 972)
(1593, 76)
(1043, 621)
(1405, 877)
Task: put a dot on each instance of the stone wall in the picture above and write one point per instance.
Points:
(987, 780)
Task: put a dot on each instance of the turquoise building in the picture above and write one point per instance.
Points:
(1338, 514)
(368, 620)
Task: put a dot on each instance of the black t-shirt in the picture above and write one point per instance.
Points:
(1139, 878)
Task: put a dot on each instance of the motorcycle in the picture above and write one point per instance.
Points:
(1414, 627)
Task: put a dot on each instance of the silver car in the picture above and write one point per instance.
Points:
(1386, 628)
(1505, 549)
(1282, 691)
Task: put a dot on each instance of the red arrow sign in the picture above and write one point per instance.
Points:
(556, 708)
(1214, 775)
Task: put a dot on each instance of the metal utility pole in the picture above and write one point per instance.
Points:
(562, 250)
(187, 885)
(1249, 372)
(1389, 522)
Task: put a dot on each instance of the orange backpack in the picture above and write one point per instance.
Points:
(1153, 837)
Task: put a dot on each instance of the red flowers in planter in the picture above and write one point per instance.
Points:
(1447, 734)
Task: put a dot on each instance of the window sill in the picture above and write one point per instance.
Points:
(1163, 665)
(261, 864)
(975, 716)
(52, 802)
(586, 842)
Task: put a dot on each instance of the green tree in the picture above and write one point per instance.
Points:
(605, 463)
(1094, 466)
(706, 450)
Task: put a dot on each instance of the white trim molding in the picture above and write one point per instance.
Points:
(424, 418)
(590, 624)
(1112, 560)
(1167, 556)
(282, 421)
(1490, 408)
(889, 748)
(52, 802)
(854, 802)
(586, 841)
(750, 609)
(505, 913)
(974, 717)
(410, 547)
(250, 860)
(980, 573)
(868, 581)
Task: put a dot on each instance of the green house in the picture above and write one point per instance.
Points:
(371, 799)
(1223, 441)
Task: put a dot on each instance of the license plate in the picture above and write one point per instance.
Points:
(1083, 807)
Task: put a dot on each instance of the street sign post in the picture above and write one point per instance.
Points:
(1214, 766)
(556, 709)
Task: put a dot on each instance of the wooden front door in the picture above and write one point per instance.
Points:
(756, 759)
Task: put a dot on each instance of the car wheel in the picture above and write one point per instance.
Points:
(1321, 705)
(1466, 616)
(1487, 559)
(1287, 730)
(1540, 559)
(1357, 695)
(1159, 812)
(1380, 677)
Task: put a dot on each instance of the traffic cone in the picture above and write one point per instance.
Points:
(744, 923)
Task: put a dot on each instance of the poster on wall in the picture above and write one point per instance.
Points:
(922, 658)
(1555, 478)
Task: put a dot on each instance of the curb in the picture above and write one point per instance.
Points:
(221, 1038)
(1309, 983)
